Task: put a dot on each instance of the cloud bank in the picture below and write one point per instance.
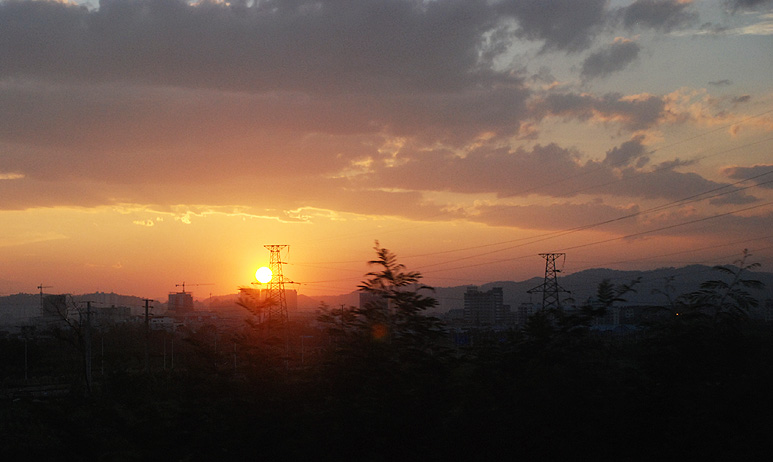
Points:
(377, 107)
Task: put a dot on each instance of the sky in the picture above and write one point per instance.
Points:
(150, 143)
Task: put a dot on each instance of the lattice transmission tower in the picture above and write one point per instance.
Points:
(275, 294)
(550, 288)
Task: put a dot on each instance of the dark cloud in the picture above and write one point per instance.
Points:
(623, 155)
(660, 182)
(328, 46)
(453, 117)
(484, 170)
(544, 75)
(633, 113)
(121, 126)
(734, 198)
(664, 15)
(602, 217)
(741, 99)
(554, 216)
(610, 59)
(736, 5)
(272, 195)
(566, 25)
(548, 170)
(721, 83)
(762, 175)
(356, 106)
(713, 29)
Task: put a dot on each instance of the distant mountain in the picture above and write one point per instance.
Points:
(653, 283)
(581, 285)
(111, 299)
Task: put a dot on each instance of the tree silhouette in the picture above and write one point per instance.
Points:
(726, 301)
(397, 313)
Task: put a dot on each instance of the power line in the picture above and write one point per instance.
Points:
(715, 246)
(663, 228)
(555, 234)
(584, 227)
(615, 238)
(587, 172)
(683, 201)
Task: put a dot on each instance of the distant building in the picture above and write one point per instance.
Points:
(180, 303)
(455, 315)
(486, 308)
(164, 323)
(19, 308)
(108, 315)
(107, 299)
(523, 312)
(291, 298)
(53, 310)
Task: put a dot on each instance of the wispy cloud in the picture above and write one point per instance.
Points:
(30, 238)
(11, 176)
(763, 26)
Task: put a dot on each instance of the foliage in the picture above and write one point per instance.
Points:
(397, 312)
(607, 294)
(687, 388)
(723, 301)
(250, 300)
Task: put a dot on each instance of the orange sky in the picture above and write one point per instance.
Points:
(146, 144)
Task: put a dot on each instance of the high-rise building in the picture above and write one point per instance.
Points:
(180, 303)
(485, 308)
(523, 312)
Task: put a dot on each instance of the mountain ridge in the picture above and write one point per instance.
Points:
(581, 285)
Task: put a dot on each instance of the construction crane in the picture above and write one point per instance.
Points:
(183, 285)
(41, 287)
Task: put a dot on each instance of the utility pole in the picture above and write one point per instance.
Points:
(302, 348)
(87, 347)
(550, 288)
(25, 332)
(147, 335)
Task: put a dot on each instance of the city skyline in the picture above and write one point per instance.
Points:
(147, 143)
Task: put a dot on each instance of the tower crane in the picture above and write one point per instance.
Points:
(41, 287)
(183, 285)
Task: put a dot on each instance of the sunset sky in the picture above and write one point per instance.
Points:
(146, 143)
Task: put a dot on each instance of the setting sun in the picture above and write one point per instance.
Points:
(263, 275)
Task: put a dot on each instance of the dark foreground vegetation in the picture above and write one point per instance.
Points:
(389, 384)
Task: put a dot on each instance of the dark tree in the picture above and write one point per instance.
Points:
(723, 300)
(397, 312)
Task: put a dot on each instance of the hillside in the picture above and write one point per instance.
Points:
(581, 285)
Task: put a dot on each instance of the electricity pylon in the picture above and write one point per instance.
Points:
(550, 288)
(275, 294)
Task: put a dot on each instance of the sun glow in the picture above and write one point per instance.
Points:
(263, 275)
